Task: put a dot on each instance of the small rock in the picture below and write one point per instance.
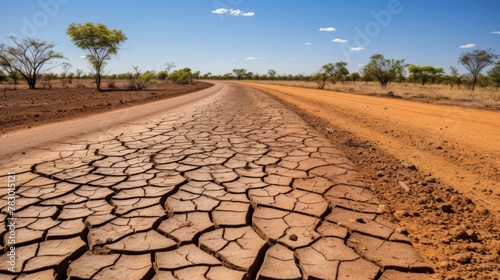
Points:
(471, 235)
(360, 220)
(459, 233)
(445, 264)
(404, 185)
(462, 258)
(380, 174)
(293, 237)
(430, 179)
(446, 240)
(401, 230)
(447, 208)
(400, 214)
(423, 200)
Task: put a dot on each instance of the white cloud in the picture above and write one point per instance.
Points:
(220, 11)
(357, 49)
(361, 65)
(294, 59)
(468, 46)
(327, 29)
(338, 40)
(251, 58)
(496, 32)
(83, 56)
(232, 12)
(307, 44)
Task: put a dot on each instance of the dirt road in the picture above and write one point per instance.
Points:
(459, 146)
(233, 186)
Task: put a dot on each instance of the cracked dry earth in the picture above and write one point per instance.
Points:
(232, 187)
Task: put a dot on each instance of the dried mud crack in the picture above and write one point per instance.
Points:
(233, 187)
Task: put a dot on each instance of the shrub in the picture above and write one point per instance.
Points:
(181, 77)
(139, 80)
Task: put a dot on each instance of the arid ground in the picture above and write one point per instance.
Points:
(23, 108)
(436, 166)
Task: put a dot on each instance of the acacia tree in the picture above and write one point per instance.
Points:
(29, 58)
(99, 42)
(383, 70)
(335, 71)
(476, 61)
(240, 73)
(425, 72)
(272, 73)
(456, 77)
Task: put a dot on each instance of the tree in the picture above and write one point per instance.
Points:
(320, 78)
(335, 71)
(476, 61)
(169, 66)
(494, 74)
(456, 77)
(272, 73)
(29, 58)
(240, 73)
(424, 73)
(355, 77)
(181, 77)
(196, 75)
(99, 42)
(11, 72)
(162, 75)
(65, 77)
(383, 70)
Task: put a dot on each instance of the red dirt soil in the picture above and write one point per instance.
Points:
(23, 108)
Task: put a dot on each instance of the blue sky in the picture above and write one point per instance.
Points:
(220, 35)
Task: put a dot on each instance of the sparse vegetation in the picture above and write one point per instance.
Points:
(383, 70)
(100, 43)
(29, 58)
(181, 77)
(138, 80)
(476, 61)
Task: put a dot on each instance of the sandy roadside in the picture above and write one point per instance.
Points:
(459, 146)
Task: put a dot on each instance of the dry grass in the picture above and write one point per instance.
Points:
(481, 97)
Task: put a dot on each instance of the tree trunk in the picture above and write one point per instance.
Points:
(474, 83)
(98, 81)
(31, 83)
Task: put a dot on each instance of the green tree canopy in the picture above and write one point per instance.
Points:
(476, 61)
(240, 73)
(272, 73)
(336, 71)
(29, 58)
(424, 73)
(99, 42)
(182, 76)
(383, 70)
